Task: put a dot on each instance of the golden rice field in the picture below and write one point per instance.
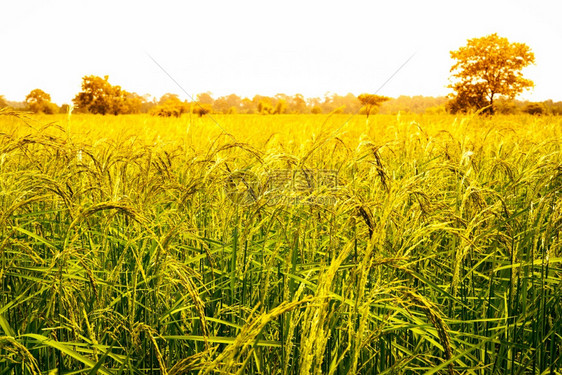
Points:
(290, 244)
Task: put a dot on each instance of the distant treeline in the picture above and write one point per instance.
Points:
(98, 96)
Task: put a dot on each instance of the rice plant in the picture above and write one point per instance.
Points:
(302, 244)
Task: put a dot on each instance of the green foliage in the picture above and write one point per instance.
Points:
(487, 67)
(124, 251)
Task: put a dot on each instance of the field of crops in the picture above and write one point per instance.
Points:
(288, 244)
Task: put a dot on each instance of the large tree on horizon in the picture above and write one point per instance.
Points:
(487, 68)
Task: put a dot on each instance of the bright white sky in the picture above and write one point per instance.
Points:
(264, 47)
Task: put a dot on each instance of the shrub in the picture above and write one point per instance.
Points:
(535, 109)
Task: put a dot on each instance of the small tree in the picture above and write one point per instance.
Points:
(202, 109)
(39, 101)
(170, 105)
(371, 102)
(280, 107)
(3, 102)
(316, 110)
(205, 98)
(488, 67)
(265, 107)
(225, 104)
(168, 99)
(297, 104)
(64, 109)
(535, 109)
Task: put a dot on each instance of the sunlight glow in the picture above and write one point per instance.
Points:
(254, 47)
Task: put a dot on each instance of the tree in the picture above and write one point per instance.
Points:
(316, 110)
(247, 106)
(552, 107)
(39, 101)
(98, 96)
(280, 107)
(202, 109)
(505, 106)
(297, 104)
(281, 104)
(315, 105)
(64, 109)
(227, 104)
(371, 102)
(265, 107)
(486, 68)
(170, 105)
(148, 102)
(169, 98)
(133, 102)
(205, 98)
(95, 95)
(469, 97)
(3, 102)
(535, 109)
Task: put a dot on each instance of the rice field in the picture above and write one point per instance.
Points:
(289, 244)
